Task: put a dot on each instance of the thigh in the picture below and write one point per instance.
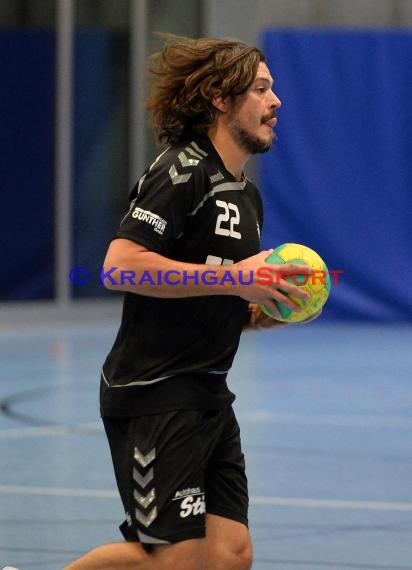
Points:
(160, 463)
(226, 481)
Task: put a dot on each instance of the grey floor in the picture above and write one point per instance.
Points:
(326, 418)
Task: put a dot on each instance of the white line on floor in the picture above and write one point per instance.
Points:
(254, 500)
(337, 420)
(51, 430)
(252, 416)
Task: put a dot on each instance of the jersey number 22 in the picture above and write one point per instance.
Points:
(227, 220)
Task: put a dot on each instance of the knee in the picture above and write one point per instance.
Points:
(236, 556)
(242, 557)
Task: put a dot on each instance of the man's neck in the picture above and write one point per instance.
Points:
(233, 157)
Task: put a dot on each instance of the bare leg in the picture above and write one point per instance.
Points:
(186, 555)
(120, 555)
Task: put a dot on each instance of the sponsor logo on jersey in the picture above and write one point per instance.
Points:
(158, 223)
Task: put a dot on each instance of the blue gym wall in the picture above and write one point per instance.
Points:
(26, 164)
(339, 177)
(27, 127)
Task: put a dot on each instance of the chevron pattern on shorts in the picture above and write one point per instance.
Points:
(142, 480)
(144, 493)
(146, 520)
(145, 501)
(144, 460)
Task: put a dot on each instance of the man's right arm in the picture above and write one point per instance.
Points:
(130, 267)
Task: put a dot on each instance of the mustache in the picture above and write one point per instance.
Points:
(271, 115)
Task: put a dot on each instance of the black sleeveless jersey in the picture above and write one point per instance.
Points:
(175, 353)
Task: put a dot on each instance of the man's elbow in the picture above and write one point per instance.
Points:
(109, 276)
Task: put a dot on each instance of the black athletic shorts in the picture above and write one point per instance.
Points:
(174, 467)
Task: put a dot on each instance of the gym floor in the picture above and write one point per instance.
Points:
(326, 418)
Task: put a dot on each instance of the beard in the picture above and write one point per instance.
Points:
(252, 144)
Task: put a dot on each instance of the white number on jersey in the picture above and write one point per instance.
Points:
(226, 222)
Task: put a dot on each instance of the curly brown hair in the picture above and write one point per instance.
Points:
(185, 77)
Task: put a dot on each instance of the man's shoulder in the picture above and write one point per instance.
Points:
(189, 155)
(185, 163)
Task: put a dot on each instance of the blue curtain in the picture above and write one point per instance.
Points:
(100, 163)
(26, 164)
(339, 178)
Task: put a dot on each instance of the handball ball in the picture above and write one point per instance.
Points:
(317, 284)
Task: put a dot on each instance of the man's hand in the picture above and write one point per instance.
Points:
(268, 284)
(259, 321)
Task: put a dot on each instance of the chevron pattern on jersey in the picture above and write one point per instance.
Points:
(190, 156)
(198, 149)
(144, 492)
(185, 161)
(176, 177)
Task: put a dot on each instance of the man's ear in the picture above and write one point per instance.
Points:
(218, 102)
